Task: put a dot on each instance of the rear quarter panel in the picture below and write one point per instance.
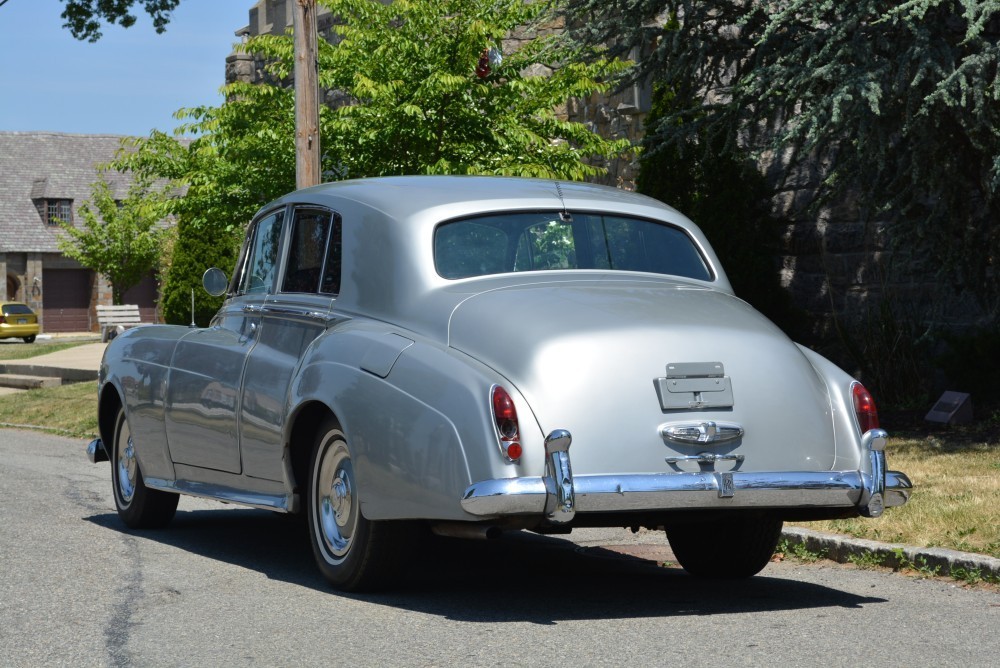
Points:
(420, 435)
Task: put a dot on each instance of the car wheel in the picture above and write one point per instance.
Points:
(737, 547)
(138, 506)
(352, 552)
(29, 339)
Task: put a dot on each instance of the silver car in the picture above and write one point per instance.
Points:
(479, 354)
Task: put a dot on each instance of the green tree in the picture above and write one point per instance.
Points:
(119, 239)
(415, 104)
(242, 156)
(898, 102)
(83, 17)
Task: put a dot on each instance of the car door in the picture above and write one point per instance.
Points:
(292, 318)
(204, 387)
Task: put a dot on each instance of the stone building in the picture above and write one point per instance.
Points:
(45, 176)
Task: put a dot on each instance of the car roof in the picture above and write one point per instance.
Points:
(404, 197)
(389, 223)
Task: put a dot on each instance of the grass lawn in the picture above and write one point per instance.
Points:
(70, 410)
(15, 349)
(956, 497)
(955, 472)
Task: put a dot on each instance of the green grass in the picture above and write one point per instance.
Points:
(69, 410)
(15, 349)
(956, 497)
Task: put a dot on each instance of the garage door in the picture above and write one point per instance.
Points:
(66, 300)
(144, 295)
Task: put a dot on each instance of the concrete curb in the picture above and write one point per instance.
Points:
(68, 375)
(944, 562)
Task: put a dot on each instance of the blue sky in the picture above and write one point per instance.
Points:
(129, 82)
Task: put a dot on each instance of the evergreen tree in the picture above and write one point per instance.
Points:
(197, 248)
(725, 194)
(900, 101)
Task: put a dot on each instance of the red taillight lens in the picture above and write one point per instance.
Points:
(505, 418)
(864, 408)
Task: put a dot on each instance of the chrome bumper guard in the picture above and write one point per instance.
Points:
(559, 495)
(96, 452)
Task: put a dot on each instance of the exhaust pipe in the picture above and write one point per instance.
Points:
(466, 530)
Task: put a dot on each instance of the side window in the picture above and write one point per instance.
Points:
(331, 268)
(262, 260)
(307, 248)
(469, 249)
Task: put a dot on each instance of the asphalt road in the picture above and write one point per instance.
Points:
(224, 586)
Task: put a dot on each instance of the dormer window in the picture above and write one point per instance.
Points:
(58, 210)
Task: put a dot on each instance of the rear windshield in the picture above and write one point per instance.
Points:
(538, 241)
(16, 309)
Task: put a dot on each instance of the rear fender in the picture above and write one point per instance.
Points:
(849, 446)
(420, 434)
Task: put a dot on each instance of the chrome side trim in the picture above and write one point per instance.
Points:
(285, 503)
(96, 452)
(667, 491)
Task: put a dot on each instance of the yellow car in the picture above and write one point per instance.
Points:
(18, 321)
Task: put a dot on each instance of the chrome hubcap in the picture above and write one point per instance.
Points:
(126, 465)
(336, 505)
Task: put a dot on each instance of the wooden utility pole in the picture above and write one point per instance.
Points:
(307, 149)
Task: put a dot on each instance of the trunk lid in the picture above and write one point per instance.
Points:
(591, 356)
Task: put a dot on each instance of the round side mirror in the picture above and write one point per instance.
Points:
(215, 282)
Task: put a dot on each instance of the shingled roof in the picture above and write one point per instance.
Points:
(48, 165)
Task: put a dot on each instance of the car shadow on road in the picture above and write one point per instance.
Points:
(519, 577)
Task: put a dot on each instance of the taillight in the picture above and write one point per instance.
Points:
(864, 408)
(505, 419)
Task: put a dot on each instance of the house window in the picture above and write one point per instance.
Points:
(58, 210)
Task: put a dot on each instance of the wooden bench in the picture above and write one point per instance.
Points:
(116, 319)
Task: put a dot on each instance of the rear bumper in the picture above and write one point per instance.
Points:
(559, 495)
(679, 491)
(9, 331)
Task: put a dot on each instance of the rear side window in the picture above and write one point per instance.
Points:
(305, 251)
(314, 253)
(516, 242)
(16, 309)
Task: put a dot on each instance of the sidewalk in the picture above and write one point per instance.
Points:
(85, 357)
(77, 364)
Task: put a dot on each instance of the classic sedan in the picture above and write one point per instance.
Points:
(480, 354)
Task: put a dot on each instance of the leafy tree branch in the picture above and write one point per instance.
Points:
(119, 239)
